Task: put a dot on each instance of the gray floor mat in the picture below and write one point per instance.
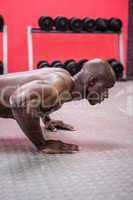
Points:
(103, 169)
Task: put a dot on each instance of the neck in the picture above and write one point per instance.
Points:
(78, 90)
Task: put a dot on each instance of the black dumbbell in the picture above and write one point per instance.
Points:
(1, 22)
(110, 60)
(68, 61)
(1, 68)
(75, 24)
(71, 66)
(46, 23)
(81, 63)
(88, 24)
(101, 24)
(117, 67)
(57, 64)
(114, 24)
(61, 23)
(42, 64)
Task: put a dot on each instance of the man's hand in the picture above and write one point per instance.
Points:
(53, 125)
(58, 147)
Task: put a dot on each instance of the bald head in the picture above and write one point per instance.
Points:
(100, 69)
(94, 80)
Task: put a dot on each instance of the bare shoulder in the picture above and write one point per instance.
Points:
(64, 78)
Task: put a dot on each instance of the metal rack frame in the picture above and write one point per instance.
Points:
(31, 30)
(5, 47)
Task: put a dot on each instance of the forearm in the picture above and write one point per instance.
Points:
(30, 125)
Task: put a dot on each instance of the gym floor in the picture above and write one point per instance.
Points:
(103, 169)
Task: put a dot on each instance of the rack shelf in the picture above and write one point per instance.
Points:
(31, 31)
(4, 32)
(37, 30)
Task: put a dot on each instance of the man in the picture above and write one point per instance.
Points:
(29, 96)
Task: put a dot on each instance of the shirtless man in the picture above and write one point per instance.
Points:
(30, 96)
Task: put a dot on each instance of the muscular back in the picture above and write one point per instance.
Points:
(21, 78)
(57, 78)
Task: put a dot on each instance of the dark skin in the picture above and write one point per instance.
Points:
(28, 97)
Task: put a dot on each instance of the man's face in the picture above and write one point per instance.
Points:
(97, 92)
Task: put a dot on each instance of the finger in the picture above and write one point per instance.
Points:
(65, 126)
(56, 151)
(69, 127)
(57, 121)
(61, 125)
(71, 147)
(75, 147)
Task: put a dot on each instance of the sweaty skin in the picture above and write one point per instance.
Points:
(30, 96)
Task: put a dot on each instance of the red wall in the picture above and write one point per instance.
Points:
(19, 14)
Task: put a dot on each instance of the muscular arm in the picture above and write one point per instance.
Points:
(25, 104)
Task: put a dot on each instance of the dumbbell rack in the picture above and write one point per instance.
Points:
(4, 39)
(31, 30)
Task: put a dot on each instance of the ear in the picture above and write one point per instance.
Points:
(92, 82)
